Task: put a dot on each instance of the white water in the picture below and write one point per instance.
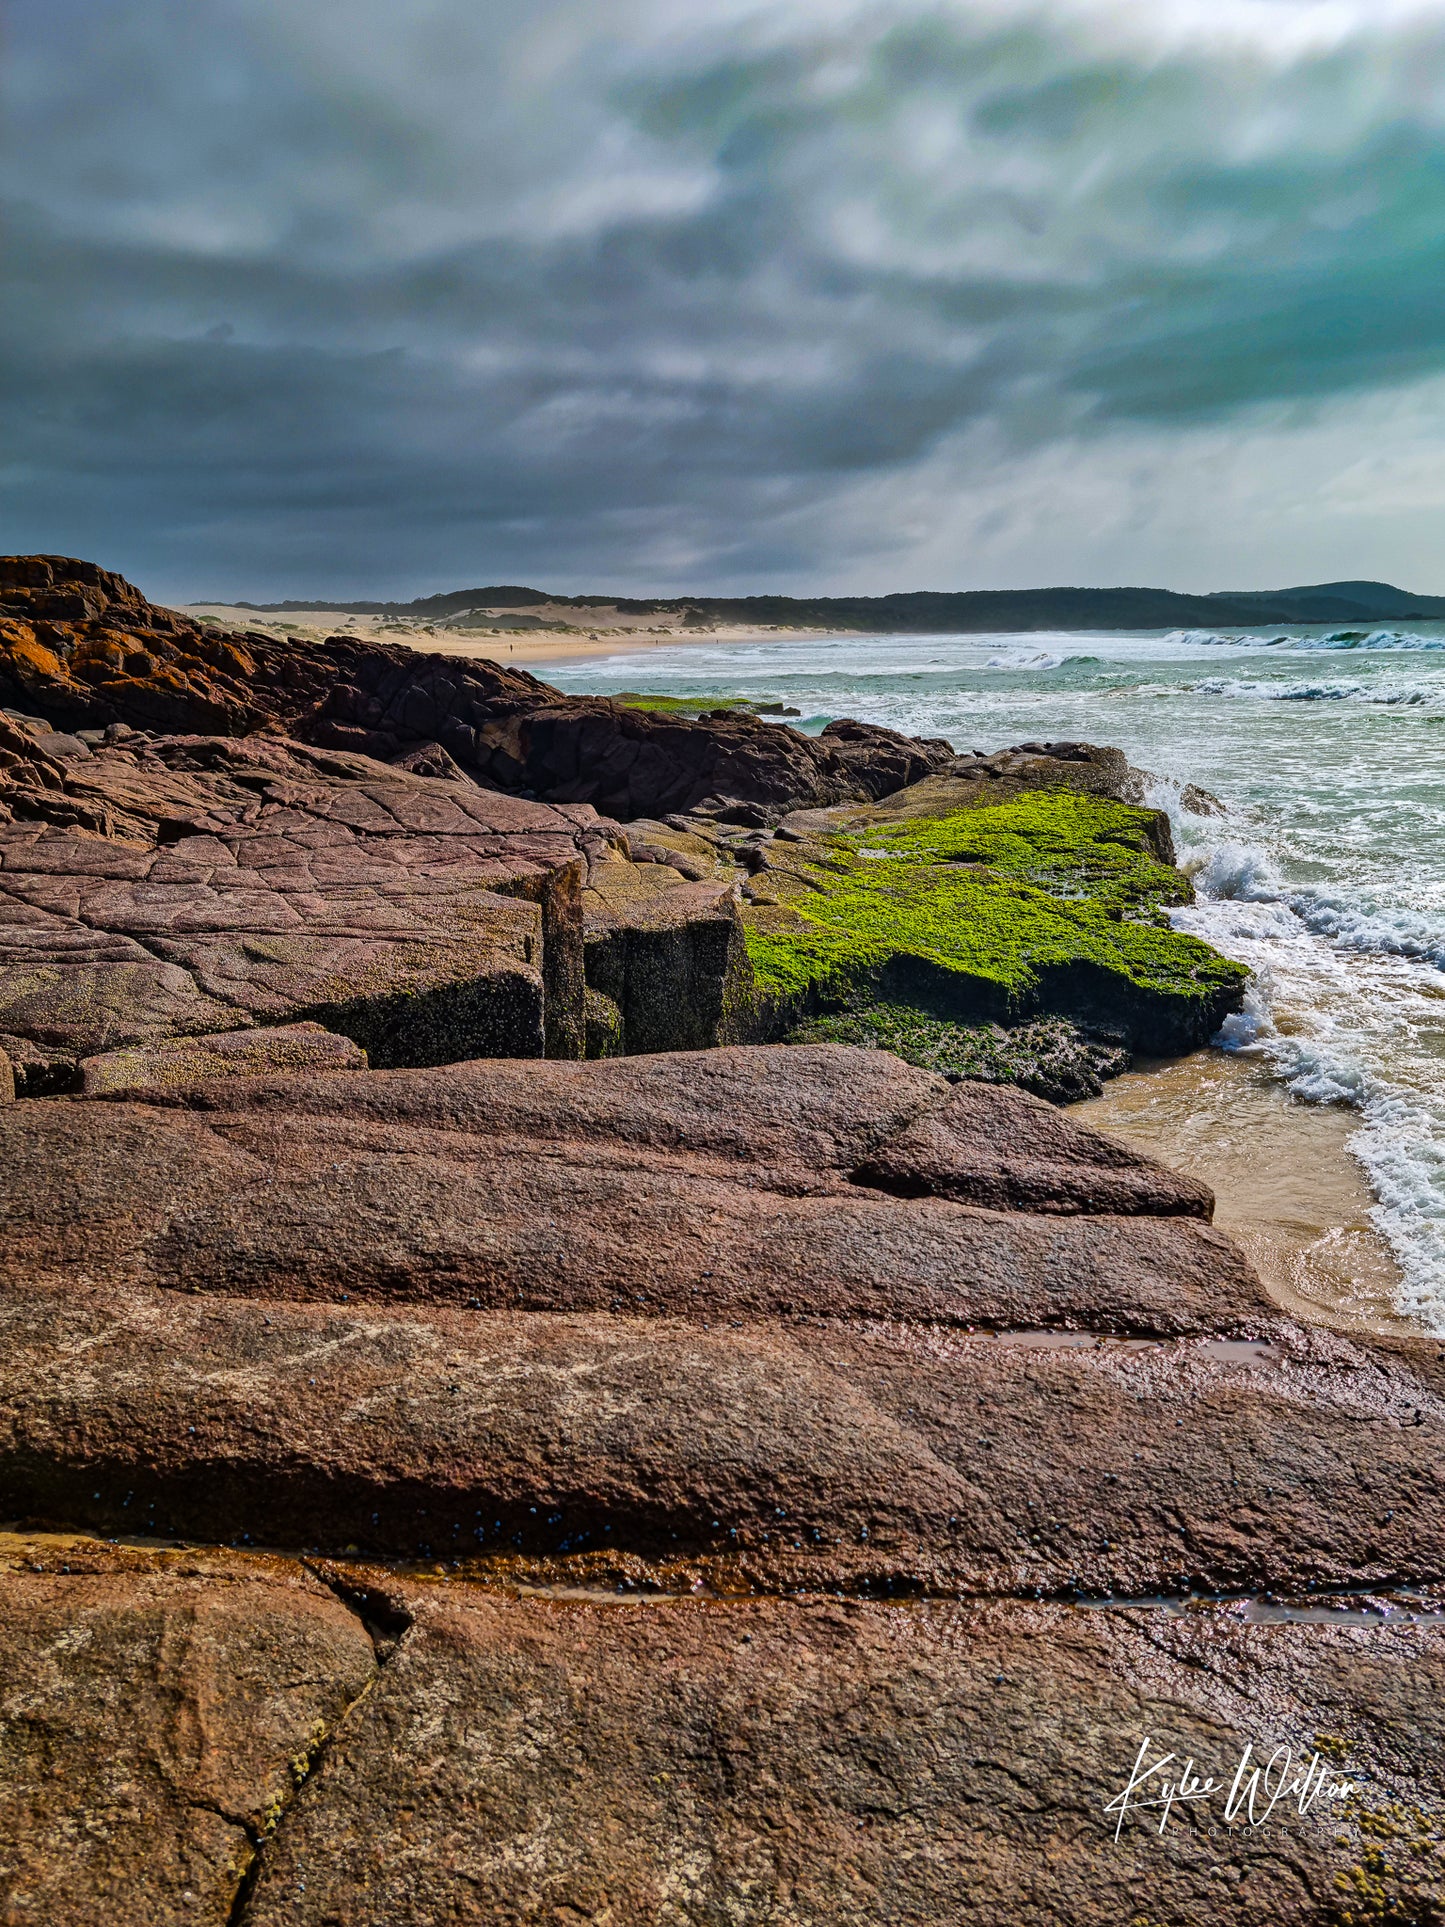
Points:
(1326, 875)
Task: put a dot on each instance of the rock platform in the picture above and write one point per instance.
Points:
(679, 1488)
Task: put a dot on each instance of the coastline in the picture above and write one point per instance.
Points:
(511, 648)
(1285, 1184)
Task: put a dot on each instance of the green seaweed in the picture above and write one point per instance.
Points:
(1047, 1055)
(1055, 902)
(701, 705)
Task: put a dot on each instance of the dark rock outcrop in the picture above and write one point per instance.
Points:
(85, 649)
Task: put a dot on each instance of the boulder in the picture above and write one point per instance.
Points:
(667, 952)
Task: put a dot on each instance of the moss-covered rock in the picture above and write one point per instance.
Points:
(1046, 1055)
(702, 705)
(1053, 903)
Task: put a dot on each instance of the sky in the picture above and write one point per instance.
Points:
(384, 297)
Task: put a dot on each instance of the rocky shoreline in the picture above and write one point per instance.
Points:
(493, 1432)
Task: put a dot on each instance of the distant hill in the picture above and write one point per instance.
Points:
(965, 612)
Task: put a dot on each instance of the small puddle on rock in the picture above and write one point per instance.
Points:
(1335, 1609)
(1046, 1341)
(1240, 1351)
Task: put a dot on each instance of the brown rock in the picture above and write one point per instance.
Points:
(233, 1053)
(725, 1180)
(264, 883)
(751, 1451)
(83, 647)
(1011, 1152)
(840, 1765)
(667, 953)
(157, 1710)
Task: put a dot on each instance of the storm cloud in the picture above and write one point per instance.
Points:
(376, 298)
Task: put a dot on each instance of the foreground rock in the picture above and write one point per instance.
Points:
(827, 1763)
(837, 1380)
(157, 1714)
(664, 1306)
(82, 648)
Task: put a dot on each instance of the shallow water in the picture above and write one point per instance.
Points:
(1326, 874)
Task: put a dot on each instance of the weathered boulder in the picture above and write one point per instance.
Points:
(668, 955)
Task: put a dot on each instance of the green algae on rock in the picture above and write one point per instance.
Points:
(1050, 904)
(1046, 1055)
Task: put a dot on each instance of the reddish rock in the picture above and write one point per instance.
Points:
(157, 1711)
(681, 1324)
(754, 1452)
(844, 1766)
(725, 1180)
(1026, 1156)
(262, 883)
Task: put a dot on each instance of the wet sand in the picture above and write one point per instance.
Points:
(1286, 1186)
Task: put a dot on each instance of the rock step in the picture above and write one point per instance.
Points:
(777, 1454)
(204, 1736)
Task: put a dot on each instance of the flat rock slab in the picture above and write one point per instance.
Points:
(757, 1454)
(157, 1711)
(259, 883)
(824, 1763)
(176, 1722)
(730, 1181)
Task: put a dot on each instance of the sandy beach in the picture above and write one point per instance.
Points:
(1284, 1181)
(520, 638)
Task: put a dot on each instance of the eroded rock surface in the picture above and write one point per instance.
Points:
(828, 1763)
(157, 1711)
(721, 1324)
(261, 883)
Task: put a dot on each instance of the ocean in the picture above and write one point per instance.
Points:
(1325, 874)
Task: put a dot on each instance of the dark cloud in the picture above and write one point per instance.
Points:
(366, 298)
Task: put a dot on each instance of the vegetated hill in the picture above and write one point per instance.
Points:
(964, 612)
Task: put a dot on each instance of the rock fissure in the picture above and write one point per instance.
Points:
(305, 1766)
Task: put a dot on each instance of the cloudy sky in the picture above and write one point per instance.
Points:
(388, 296)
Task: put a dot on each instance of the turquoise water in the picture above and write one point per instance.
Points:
(1326, 874)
